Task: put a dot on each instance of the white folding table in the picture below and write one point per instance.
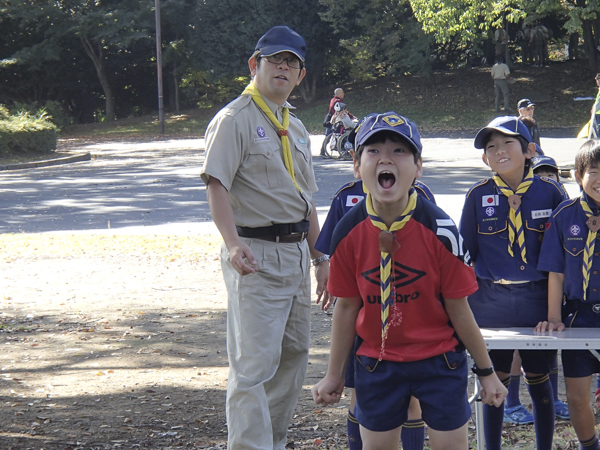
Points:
(528, 339)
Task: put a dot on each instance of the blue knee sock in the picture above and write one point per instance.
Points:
(354, 440)
(554, 377)
(512, 399)
(492, 423)
(413, 435)
(590, 444)
(554, 383)
(540, 391)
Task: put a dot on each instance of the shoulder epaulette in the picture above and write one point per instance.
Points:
(553, 183)
(479, 183)
(344, 187)
(565, 204)
(237, 104)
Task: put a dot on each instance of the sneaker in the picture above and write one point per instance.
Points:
(561, 410)
(518, 415)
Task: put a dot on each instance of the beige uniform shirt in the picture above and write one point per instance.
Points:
(500, 71)
(244, 152)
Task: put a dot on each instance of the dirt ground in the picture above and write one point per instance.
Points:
(119, 342)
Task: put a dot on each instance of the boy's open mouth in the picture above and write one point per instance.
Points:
(386, 179)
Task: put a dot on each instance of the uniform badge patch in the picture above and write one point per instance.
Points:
(490, 200)
(352, 200)
(575, 230)
(262, 135)
(541, 214)
(490, 211)
(393, 120)
(302, 141)
(596, 308)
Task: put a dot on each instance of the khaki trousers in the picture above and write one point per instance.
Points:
(268, 338)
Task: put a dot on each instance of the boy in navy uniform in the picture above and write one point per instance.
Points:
(570, 254)
(503, 222)
(514, 411)
(399, 270)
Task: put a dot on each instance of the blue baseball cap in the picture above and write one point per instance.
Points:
(389, 121)
(281, 39)
(540, 161)
(509, 125)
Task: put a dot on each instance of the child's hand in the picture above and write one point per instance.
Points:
(327, 391)
(493, 392)
(549, 325)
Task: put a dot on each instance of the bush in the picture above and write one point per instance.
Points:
(24, 133)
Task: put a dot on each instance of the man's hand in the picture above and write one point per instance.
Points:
(493, 392)
(322, 276)
(242, 259)
(550, 325)
(327, 391)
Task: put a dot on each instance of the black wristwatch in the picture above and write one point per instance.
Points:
(482, 372)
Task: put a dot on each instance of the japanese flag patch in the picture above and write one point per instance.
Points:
(489, 200)
(352, 200)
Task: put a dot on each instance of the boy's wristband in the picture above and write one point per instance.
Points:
(482, 372)
(320, 259)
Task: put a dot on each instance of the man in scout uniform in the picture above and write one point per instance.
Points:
(260, 181)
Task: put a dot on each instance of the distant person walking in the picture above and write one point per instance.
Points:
(539, 45)
(501, 39)
(500, 75)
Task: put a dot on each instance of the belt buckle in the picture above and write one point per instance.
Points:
(503, 281)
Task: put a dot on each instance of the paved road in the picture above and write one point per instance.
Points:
(154, 187)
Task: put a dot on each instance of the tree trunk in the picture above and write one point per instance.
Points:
(308, 87)
(99, 64)
(176, 89)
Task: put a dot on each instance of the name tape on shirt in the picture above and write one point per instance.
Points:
(541, 214)
(352, 200)
(490, 200)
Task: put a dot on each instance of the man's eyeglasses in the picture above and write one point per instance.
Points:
(292, 61)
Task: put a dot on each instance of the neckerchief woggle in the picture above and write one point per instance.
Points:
(515, 219)
(593, 224)
(282, 129)
(386, 248)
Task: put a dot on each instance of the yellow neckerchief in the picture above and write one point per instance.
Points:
(515, 221)
(590, 243)
(386, 263)
(282, 130)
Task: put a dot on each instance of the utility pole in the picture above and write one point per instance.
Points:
(161, 107)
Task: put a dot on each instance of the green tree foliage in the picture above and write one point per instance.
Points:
(383, 37)
(226, 31)
(470, 21)
(102, 28)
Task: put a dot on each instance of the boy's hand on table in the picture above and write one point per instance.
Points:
(550, 325)
(493, 392)
(327, 391)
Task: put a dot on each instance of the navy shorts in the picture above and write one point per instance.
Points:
(384, 388)
(581, 363)
(497, 305)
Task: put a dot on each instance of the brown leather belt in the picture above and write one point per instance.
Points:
(279, 232)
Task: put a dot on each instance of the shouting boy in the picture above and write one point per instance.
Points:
(399, 270)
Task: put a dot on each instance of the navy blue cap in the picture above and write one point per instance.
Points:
(525, 103)
(389, 121)
(540, 161)
(509, 125)
(281, 39)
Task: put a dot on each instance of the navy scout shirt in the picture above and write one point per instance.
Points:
(562, 250)
(348, 196)
(484, 227)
